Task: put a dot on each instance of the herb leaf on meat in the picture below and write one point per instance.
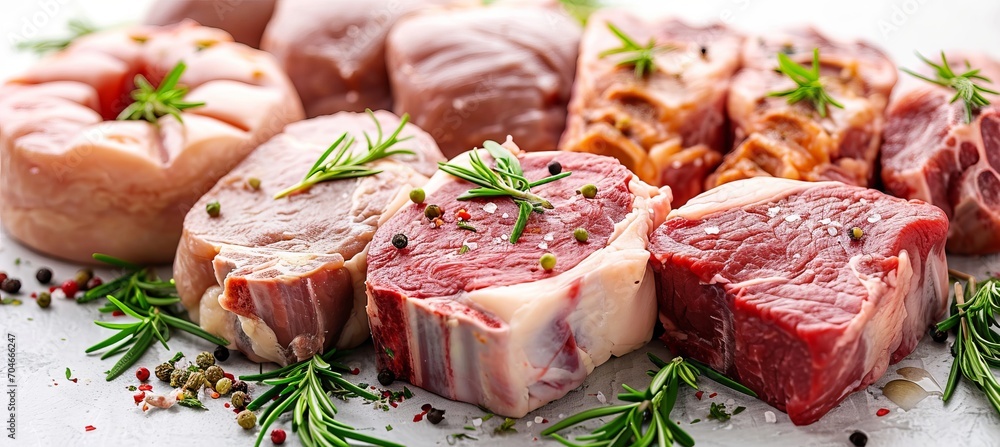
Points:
(964, 84)
(152, 103)
(77, 28)
(810, 87)
(505, 179)
(346, 164)
(641, 57)
(977, 343)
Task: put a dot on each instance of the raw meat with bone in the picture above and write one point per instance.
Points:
(930, 153)
(284, 279)
(486, 324)
(759, 279)
(669, 127)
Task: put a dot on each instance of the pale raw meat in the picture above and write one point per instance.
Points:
(670, 127)
(759, 279)
(932, 154)
(472, 74)
(76, 182)
(243, 19)
(776, 139)
(488, 325)
(284, 279)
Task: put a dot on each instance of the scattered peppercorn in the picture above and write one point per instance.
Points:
(221, 353)
(178, 377)
(214, 373)
(11, 285)
(548, 261)
(195, 381)
(417, 195)
(432, 212)
(462, 214)
(213, 208)
(82, 277)
(188, 394)
(859, 438)
(163, 371)
(438, 223)
(589, 190)
(44, 275)
(278, 436)
(241, 386)
(555, 168)
(246, 419)
(240, 400)
(254, 183)
(205, 359)
(44, 300)
(581, 235)
(94, 283)
(224, 385)
(142, 374)
(70, 288)
(3, 276)
(435, 416)
(938, 336)
(386, 377)
(855, 234)
(399, 240)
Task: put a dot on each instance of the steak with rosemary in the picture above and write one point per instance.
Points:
(803, 292)
(284, 279)
(486, 324)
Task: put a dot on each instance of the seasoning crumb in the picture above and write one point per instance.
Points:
(477, 422)
(490, 208)
(503, 236)
(539, 419)
(863, 201)
(504, 215)
(770, 417)
(773, 211)
(832, 231)
(874, 218)
(792, 218)
(543, 245)
(825, 221)
(712, 230)
(601, 398)
(548, 237)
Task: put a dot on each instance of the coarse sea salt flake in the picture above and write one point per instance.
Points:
(874, 218)
(864, 201)
(711, 230)
(490, 207)
(477, 422)
(471, 245)
(505, 215)
(529, 424)
(825, 221)
(549, 237)
(792, 218)
(771, 212)
(770, 417)
(539, 419)
(543, 245)
(796, 256)
(832, 231)
(503, 236)
(601, 398)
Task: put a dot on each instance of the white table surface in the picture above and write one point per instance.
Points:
(51, 410)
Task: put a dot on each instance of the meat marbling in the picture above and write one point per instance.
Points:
(930, 153)
(488, 325)
(284, 279)
(670, 127)
(759, 279)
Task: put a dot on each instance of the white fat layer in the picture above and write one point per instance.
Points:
(742, 193)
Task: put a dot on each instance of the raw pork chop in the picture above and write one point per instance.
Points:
(473, 74)
(931, 154)
(486, 324)
(75, 181)
(284, 279)
(243, 19)
(759, 279)
(776, 139)
(670, 127)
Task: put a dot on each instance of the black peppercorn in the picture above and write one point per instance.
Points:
(44, 275)
(938, 336)
(555, 168)
(435, 416)
(386, 377)
(400, 240)
(221, 353)
(10, 285)
(241, 386)
(859, 438)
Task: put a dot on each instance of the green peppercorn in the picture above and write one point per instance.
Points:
(240, 400)
(163, 371)
(246, 419)
(589, 190)
(855, 234)
(253, 183)
(214, 373)
(205, 359)
(44, 299)
(83, 276)
(178, 378)
(223, 386)
(581, 235)
(213, 208)
(417, 195)
(548, 261)
(432, 212)
(195, 381)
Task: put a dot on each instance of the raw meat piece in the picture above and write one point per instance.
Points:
(243, 19)
(472, 74)
(75, 181)
(284, 279)
(759, 279)
(776, 139)
(486, 324)
(670, 127)
(931, 154)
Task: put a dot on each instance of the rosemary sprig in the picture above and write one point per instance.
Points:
(654, 403)
(642, 58)
(140, 295)
(964, 84)
(505, 179)
(346, 164)
(977, 345)
(77, 28)
(151, 103)
(305, 389)
(810, 87)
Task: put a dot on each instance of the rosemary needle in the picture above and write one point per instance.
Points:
(641, 57)
(964, 84)
(77, 28)
(810, 87)
(977, 345)
(151, 103)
